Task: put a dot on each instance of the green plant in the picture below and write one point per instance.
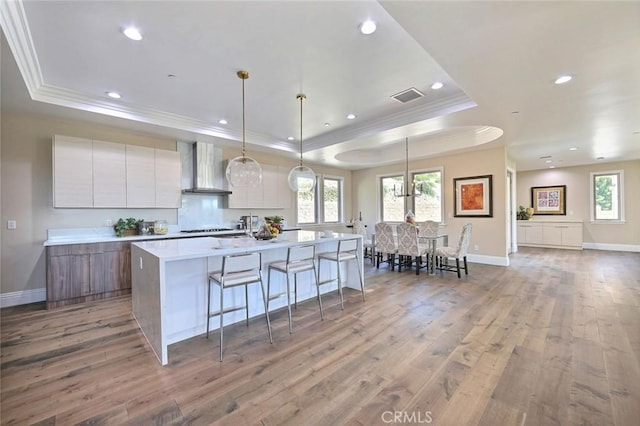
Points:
(124, 224)
(522, 213)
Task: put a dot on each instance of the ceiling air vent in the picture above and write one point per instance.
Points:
(407, 95)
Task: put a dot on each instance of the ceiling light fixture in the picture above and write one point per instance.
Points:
(243, 170)
(351, 116)
(132, 33)
(415, 190)
(301, 177)
(114, 95)
(573, 148)
(368, 27)
(290, 138)
(548, 161)
(437, 85)
(563, 79)
(222, 121)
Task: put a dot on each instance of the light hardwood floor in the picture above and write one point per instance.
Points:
(552, 339)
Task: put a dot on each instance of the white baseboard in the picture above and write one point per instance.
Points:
(612, 247)
(488, 260)
(23, 297)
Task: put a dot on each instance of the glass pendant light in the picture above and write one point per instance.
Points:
(301, 177)
(413, 190)
(243, 170)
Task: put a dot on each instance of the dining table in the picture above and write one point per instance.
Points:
(430, 239)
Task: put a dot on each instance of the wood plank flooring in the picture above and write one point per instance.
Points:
(553, 339)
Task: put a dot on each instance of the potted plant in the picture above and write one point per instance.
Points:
(126, 227)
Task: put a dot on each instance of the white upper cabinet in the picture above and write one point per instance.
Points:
(90, 173)
(72, 172)
(109, 174)
(141, 176)
(168, 179)
(272, 193)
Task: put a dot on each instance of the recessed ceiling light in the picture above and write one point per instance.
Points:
(437, 85)
(545, 156)
(222, 121)
(351, 116)
(552, 167)
(171, 75)
(548, 161)
(368, 27)
(515, 112)
(132, 33)
(573, 148)
(563, 79)
(290, 138)
(600, 158)
(327, 124)
(114, 95)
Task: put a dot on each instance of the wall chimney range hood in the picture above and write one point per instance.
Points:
(202, 168)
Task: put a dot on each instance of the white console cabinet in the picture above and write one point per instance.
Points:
(555, 234)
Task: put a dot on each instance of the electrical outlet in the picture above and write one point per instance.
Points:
(11, 224)
(476, 247)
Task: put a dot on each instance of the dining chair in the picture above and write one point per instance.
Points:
(299, 259)
(385, 245)
(443, 254)
(367, 244)
(410, 250)
(237, 270)
(428, 228)
(347, 251)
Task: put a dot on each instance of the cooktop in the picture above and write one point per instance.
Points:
(206, 230)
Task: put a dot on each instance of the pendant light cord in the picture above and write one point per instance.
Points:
(302, 97)
(406, 170)
(243, 75)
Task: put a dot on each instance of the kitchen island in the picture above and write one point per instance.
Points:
(170, 278)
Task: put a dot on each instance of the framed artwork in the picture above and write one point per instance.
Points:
(549, 199)
(473, 196)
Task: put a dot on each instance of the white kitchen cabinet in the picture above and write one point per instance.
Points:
(529, 233)
(272, 193)
(72, 172)
(109, 175)
(555, 234)
(168, 175)
(141, 176)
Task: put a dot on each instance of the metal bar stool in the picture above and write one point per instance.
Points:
(347, 251)
(237, 270)
(299, 259)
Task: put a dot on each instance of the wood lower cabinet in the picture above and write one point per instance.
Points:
(82, 272)
(560, 234)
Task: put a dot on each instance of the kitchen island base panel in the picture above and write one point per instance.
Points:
(169, 296)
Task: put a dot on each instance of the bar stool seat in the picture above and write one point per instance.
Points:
(237, 270)
(299, 259)
(347, 251)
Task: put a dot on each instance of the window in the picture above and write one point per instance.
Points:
(324, 201)
(332, 200)
(607, 196)
(426, 205)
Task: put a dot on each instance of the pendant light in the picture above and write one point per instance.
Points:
(243, 170)
(301, 177)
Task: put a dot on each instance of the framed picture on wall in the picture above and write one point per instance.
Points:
(549, 199)
(473, 196)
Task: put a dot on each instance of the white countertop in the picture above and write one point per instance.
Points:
(189, 248)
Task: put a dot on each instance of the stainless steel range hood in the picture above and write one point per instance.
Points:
(202, 168)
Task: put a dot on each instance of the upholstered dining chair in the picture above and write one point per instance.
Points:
(443, 254)
(410, 250)
(428, 228)
(385, 245)
(367, 244)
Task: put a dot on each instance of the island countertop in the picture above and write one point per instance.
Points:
(190, 248)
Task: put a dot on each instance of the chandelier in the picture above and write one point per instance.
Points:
(243, 170)
(301, 177)
(413, 190)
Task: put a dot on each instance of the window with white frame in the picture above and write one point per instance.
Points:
(425, 199)
(607, 196)
(324, 201)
